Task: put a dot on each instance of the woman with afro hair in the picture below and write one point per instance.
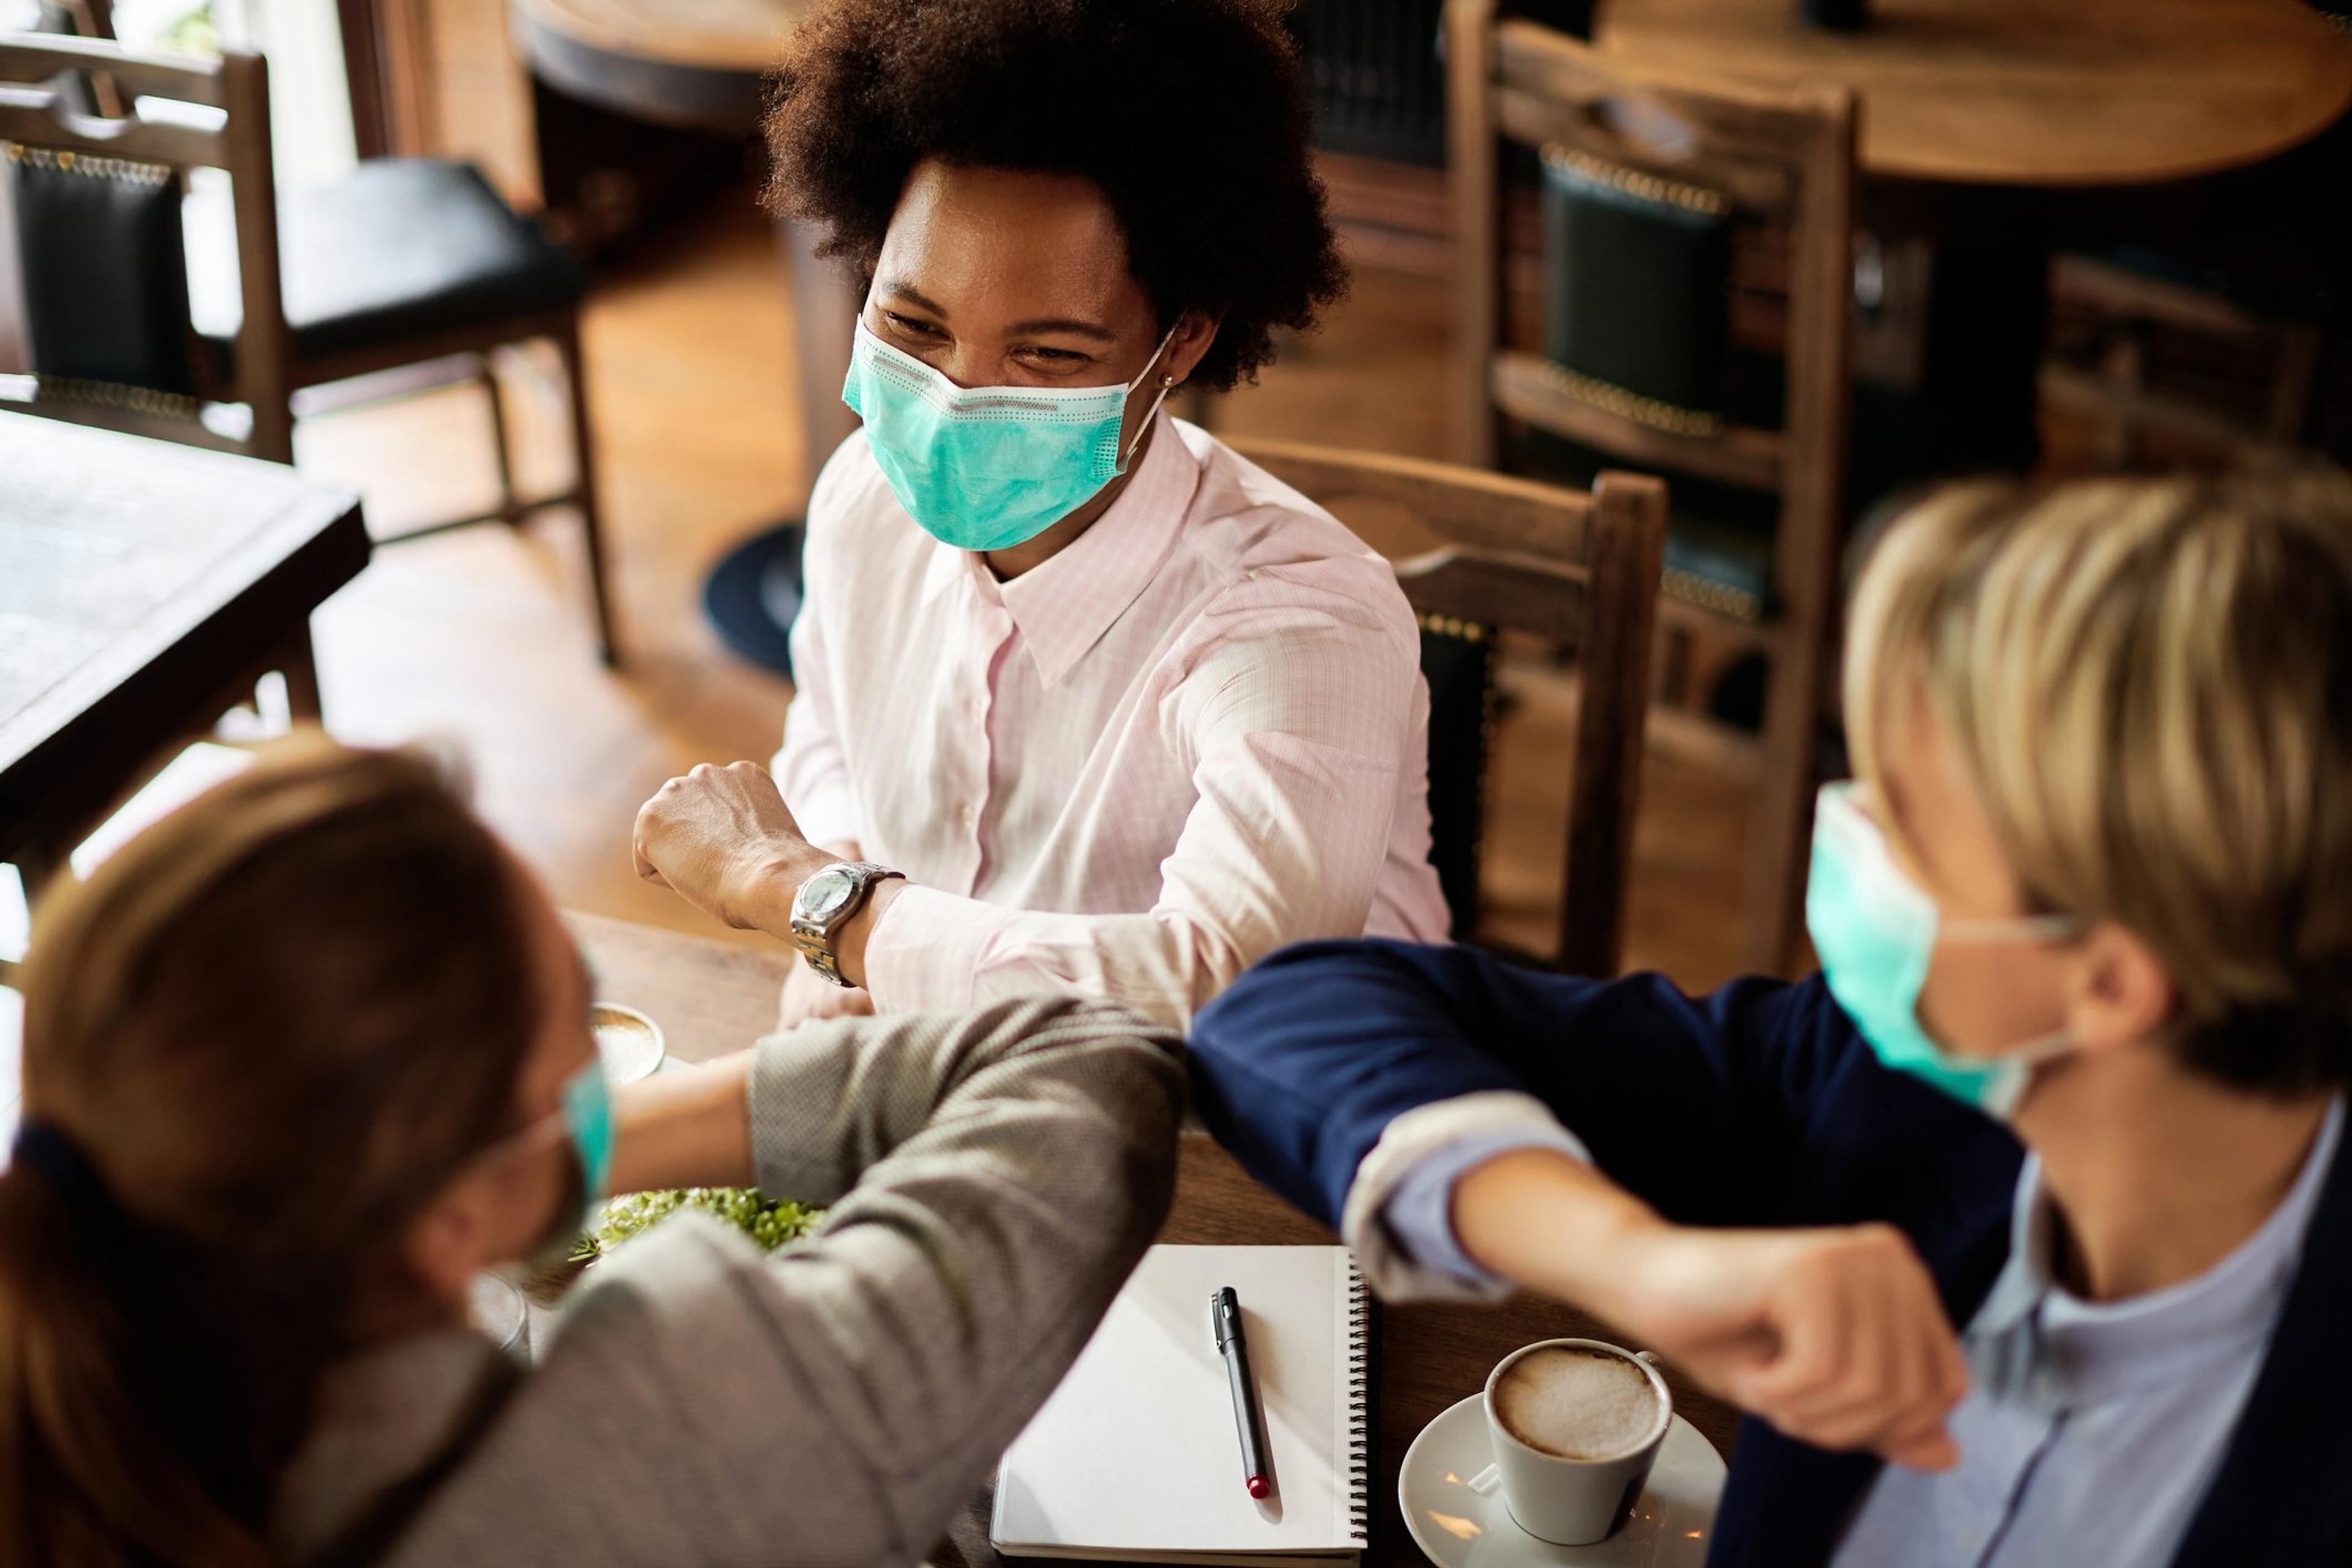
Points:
(1086, 701)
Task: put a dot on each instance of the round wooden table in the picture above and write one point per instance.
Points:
(695, 63)
(703, 65)
(2028, 92)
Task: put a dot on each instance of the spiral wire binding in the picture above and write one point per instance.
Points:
(1359, 1397)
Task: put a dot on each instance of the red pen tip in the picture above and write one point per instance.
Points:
(1258, 1488)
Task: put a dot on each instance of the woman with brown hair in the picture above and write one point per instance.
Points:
(308, 1056)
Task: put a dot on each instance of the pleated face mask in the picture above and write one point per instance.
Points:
(1877, 931)
(988, 467)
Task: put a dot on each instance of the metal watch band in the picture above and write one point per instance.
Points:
(815, 937)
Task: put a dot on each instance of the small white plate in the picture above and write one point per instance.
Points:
(1670, 1528)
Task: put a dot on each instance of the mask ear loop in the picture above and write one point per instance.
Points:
(1167, 384)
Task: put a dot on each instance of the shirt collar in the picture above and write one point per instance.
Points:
(1064, 605)
(2031, 1329)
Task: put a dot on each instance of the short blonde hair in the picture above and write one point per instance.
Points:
(2150, 683)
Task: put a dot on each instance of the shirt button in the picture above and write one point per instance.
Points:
(965, 815)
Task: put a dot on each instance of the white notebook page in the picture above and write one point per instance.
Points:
(1136, 1452)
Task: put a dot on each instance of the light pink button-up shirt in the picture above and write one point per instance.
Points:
(1195, 735)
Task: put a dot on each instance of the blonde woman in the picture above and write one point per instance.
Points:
(305, 1057)
(2026, 1235)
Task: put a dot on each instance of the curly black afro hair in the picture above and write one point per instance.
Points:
(1188, 115)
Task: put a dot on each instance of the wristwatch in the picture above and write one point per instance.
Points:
(826, 902)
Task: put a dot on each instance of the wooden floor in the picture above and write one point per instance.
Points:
(482, 635)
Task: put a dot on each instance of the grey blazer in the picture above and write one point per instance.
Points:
(993, 1179)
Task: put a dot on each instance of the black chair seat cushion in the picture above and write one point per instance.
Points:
(401, 248)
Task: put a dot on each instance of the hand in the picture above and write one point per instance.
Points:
(808, 995)
(1836, 1336)
(723, 839)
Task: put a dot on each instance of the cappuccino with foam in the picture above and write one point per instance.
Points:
(1577, 1404)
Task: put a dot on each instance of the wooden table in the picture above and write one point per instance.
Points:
(703, 65)
(692, 63)
(713, 997)
(2027, 92)
(145, 587)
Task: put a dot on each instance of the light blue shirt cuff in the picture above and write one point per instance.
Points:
(1419, 1215)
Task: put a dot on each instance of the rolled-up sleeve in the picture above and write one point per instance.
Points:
(1399, 1215)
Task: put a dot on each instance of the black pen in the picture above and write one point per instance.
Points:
(1225, 1317)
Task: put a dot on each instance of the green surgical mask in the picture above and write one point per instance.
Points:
(988, 467)
(1876, 932)
(587, 1116)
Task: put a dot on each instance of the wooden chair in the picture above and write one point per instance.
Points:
(42, 122)
(1784, 158)
(1520, 556)
(2131, 307)
(405, 262)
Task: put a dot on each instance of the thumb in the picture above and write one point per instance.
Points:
(1743, 1364)
(643, 865)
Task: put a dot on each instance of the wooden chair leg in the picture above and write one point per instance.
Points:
(2124, 367)
(2294, 383)
(1779, 851)
(38, 866)
(1782, 834)
(300, 667)
(583, 447)
(486, 377)
(273, 430)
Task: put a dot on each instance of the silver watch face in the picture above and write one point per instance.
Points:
(827, 894)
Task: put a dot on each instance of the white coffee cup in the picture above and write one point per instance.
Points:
(1570, 1501)
(630, 1043)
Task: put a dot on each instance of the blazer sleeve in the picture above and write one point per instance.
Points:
(1700, 1105)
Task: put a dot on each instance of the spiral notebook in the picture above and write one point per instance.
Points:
(1135, 1456)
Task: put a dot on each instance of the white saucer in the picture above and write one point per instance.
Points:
(1670, 1528)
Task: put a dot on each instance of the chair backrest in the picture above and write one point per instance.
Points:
(1784, 157)
(1564, 565)
(180, 114)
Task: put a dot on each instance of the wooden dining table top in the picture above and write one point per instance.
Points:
(2002, 92)
(740, 38)
(2026, 93)
(140, 580)
(713, 997)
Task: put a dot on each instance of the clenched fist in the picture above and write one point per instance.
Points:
(1835, 1335)
(723, 839)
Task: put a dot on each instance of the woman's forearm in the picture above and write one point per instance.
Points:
(1548, 1221)
(685, 1129)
